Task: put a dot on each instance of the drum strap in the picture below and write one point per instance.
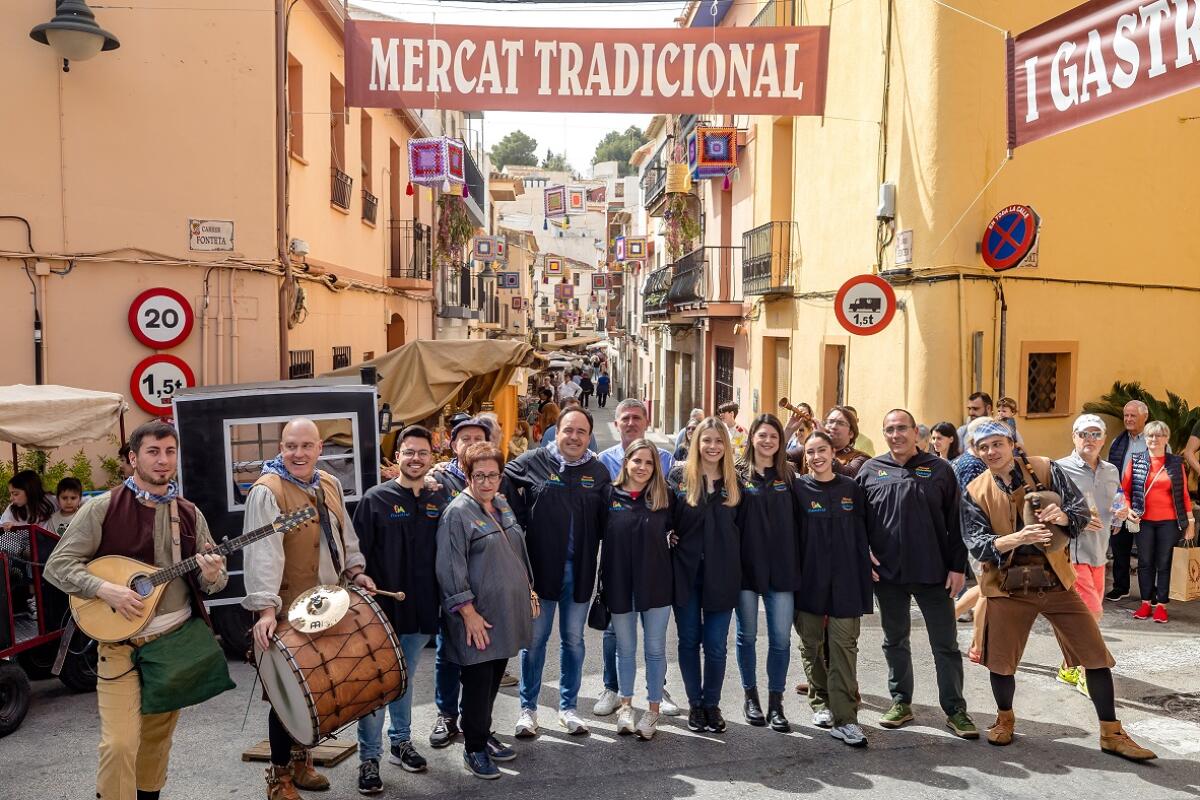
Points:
(327, 529)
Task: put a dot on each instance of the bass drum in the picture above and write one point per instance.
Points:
(318, 683)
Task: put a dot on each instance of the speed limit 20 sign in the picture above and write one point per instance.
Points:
(865, 304)
(161, 318)
(156, 379)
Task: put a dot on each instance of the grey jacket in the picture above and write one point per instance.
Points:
(1091, 547)
(479, 562)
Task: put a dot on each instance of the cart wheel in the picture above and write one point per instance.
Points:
(79, 668)
(38, 662)
(14, 697)
(233, 624)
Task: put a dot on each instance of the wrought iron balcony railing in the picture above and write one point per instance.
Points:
(654, 294)
(370, 207)
(768, 255)
(705, 275)
(411, 250)
(341, 186)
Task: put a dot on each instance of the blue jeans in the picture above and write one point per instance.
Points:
(654, 637)
(445, 679)
(570, 630)
(698, 627)
(609, 646)
(779, 607)
(370, 727)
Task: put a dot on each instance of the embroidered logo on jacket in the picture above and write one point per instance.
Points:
(398, 512)
(882, 473)
(815, 508)
(847, 503)
(749, 488)
(432, 510)
(554, 480)
(587, 482)
(779, 486)
(617, 506)
(923, 472)
(480, 524)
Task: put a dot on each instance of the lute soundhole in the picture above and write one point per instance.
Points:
(142, 585)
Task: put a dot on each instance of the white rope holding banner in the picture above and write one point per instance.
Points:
(967, 210)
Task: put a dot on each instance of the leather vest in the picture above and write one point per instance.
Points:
(302, 547)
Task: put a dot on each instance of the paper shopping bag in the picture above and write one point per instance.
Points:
(1185, 573)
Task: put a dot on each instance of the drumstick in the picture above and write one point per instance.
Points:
(393, 595)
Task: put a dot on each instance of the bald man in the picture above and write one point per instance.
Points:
(278, 569)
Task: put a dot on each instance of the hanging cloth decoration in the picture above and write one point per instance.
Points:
(712, 153)
(437, 161)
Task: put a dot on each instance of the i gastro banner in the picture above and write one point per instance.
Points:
(1099, 59)
(774, 70)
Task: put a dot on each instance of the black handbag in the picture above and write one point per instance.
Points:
(599, 617)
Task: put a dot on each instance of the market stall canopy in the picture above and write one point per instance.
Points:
(45, 417)
(574, 341)
(420, 378)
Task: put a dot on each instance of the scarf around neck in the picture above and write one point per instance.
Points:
(275, 467)
(148, 497)
(552, 449)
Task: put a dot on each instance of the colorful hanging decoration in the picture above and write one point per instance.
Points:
(555, 199)
(517, 303)
(437, 161)
(576, 200)
(486, 248)
(635, 247)
(554, 265)
(508, 280)
(599, 281)
(619, 249)
(712, 153)
(564, 291)
(502, 249)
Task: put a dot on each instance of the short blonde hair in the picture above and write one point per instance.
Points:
(1157, 426)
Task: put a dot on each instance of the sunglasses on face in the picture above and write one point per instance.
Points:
(1093, 435)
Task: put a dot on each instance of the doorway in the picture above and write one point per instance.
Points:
(395, 332)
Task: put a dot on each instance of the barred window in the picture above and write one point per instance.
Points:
(341, 357)
(1047, 378)
(300, 364)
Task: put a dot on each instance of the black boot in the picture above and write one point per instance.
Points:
(144, 795)
(752, 708)
(775, 715)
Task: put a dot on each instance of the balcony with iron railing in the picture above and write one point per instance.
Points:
(705, 282)
(341, 188)
(774, 12)
(411, 262)
(454, 301)
(654, 178)
(654, 294)
(476, 197)
(769, 254)
(370, 207)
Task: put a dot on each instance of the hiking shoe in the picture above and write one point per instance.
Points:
(1116, 594)
(527, 724)
(647, 726)
(697, 719)
(961, 724)
(1081, 685)
(499, 751)
(480, 765)
(369, 781)
(714, 721)
(1160, 614)
(849, 733)
(625, 720)
(896, 716)
(407, 757)
(445, 731)
(1068, 675)
(508, 679)
(609, 702)
(668, 707)
(1143, 611)
(572, 722)
(823, 718)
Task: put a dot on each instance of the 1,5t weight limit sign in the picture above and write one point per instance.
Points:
(865, 304)
(155, 381)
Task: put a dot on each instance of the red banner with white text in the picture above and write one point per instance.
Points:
(1097, 60)
(771, 70)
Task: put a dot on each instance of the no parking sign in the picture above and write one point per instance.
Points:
(1009, 237)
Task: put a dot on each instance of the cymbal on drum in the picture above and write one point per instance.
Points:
(319, 609)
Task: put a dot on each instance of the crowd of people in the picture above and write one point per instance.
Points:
(799, 518)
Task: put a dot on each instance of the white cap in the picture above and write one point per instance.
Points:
(1085, 421)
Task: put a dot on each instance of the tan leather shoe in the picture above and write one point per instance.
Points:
(1001, 731)
(1114, 740)
(279, 784)
(303, 773)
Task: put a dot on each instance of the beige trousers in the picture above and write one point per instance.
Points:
(134, 749)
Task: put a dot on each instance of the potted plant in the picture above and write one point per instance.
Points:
(683, 229)
(454, 228)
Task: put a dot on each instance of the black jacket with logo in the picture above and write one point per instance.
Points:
(915, 531)
(635, 560)
(549, 502)
(769, 529)
(835, 559)
(397, 532)
(708, 538)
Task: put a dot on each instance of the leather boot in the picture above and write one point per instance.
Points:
(142, 794)
(303, 773)
(1001, 731)
(1114, 740)
(775, 717)
(752, 708)
(280, 785)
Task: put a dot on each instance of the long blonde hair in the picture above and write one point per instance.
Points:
(656, 488)
(693, 472)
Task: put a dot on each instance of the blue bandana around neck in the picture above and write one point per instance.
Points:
(146, 496)
(275, 467)
(454, 469)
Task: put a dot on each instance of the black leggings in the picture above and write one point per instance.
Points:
(480, 685)
(281, 741)
(1099, 684)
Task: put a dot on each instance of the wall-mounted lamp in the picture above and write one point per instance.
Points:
(73, 33)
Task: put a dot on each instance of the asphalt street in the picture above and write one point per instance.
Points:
(1056, 753)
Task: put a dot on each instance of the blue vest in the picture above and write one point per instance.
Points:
(1139, 468)
(1116, 453)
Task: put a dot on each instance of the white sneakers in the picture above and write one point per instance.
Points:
(608, 703)
(667, 707)
(647, 726)
(823, 718)
(849, 733)
(571, 721)
(625, 720)
(527, 724)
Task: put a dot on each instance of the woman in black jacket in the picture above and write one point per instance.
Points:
(769, 529)
(707, 566)
(635, 576)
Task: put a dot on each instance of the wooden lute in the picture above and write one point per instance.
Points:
(100, 621)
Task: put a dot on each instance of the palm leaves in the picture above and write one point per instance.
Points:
(1180, 418)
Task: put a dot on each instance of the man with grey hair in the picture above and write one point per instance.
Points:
(1132, 440)
(632, 420)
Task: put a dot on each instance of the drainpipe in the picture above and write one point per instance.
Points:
(233, 333)
(281, 179)
(220, 335)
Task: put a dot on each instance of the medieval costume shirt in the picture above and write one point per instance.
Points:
(835, 559)
(397, 534)
(635, 560)
(709, 539)
(768, 526)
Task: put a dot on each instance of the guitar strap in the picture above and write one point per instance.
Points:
(175, 551)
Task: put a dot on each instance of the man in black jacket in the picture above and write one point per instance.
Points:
(557, 493)
(918, 553)
(397, 524)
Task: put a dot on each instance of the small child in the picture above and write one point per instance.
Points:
(1006, 412)
(69, 494)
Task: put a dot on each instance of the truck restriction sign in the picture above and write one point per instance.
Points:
(865, 304)
(156, 379)
(160, 318)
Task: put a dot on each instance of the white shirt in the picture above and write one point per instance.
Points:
(568, 389)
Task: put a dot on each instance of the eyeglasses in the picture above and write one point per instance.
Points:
(1156, 436)
(415, 453)
(1093, 435)
(485, 477)
(891, 429)
(836, 423)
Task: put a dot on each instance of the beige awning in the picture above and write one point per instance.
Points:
(574, 341)
(45, 417)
